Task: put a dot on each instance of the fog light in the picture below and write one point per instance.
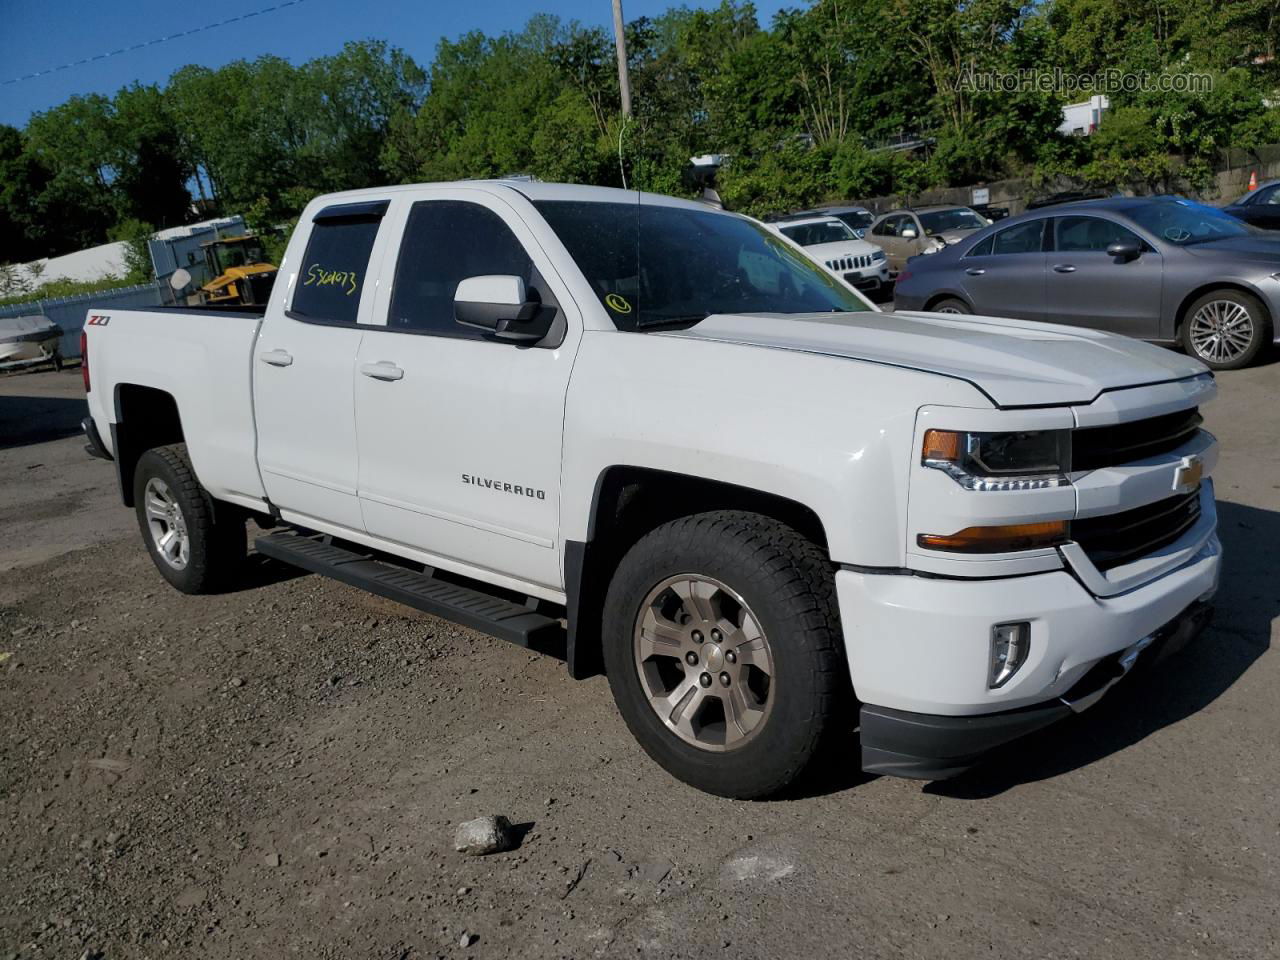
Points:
(1010, 643)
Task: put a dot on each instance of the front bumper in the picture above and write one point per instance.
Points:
(923, 746)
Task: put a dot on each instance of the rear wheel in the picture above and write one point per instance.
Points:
(723, 651)
(1226, 329)
(950, 305)
(195, 545)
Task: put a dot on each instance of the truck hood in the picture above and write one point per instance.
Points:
(1014, 362)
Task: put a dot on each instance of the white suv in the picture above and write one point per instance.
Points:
(832, 243)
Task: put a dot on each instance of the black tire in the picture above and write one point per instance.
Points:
(951, 305)
(215, 532)
(1259, 336)
(788, 584)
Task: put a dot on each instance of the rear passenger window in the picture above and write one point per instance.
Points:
(445, 242)
(334, 268)
(1024, 238)
(983, 248)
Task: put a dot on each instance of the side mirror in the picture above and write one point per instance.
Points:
(1124, 251)
(499, 305)
(908, 233)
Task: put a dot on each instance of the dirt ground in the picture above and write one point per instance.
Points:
(278, 771)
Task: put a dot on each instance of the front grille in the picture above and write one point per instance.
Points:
(849, 263)
(1094, 447)
(1117, 538)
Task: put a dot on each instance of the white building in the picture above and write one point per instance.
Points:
(1082, 119)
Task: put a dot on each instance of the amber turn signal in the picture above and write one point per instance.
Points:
(1006, 539)
(942, 445)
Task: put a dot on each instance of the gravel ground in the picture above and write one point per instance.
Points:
(279, 771)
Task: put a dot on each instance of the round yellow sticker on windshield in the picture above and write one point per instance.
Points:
(617, 304)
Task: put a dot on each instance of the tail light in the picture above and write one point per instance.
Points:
(84, 359)
(903, 275)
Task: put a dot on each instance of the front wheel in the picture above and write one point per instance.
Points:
(723, 651)
(196, 545)
(1226, 329)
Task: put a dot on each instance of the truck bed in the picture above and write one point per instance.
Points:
(202, 358)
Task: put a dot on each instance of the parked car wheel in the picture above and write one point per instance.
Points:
(1226, 329)
(951, 305)
(724, 653)
(195, 546)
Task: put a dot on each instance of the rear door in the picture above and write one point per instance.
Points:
(303, 370)
(1004, 274)
(1086, 287)
(460, 434)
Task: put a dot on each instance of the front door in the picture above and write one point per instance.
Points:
(460, 434)
(1086, 287)
(303, 371)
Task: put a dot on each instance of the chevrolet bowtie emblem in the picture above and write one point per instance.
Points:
(1187, 475)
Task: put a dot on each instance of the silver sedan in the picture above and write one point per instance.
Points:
(1163, 269)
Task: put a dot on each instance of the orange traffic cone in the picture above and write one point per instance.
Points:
(1253, 180)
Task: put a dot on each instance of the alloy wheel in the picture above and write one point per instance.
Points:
(704, 662)
(1221, 331)
(167, 524)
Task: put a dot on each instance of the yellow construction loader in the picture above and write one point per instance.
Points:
(239, 269)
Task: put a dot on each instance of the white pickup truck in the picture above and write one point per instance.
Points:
(658, 440)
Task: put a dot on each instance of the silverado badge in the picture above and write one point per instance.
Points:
(1187, 475)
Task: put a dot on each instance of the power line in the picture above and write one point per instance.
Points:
(152, 43)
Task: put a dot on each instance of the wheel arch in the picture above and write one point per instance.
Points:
(627, 502)
(145, 417)
(1239, 286)
(941, 295)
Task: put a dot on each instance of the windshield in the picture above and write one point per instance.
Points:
(961, 218)
(858, 219)
(1184, 223)
(824, 231)
(654, 265)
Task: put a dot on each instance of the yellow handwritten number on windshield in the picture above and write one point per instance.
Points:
(617, 304)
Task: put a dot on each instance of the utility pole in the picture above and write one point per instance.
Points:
(620, 40)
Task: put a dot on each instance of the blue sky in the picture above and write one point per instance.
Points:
(40, 34)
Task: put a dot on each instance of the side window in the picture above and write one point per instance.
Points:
(881, 229)
(445, 242)
(983, 248)
(1271, 195)
(1075, 234)
(335, 267)
(1023, 238)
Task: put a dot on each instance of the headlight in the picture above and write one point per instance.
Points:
(1026, 460)
(878, 255)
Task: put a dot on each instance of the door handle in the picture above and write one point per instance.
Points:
(382, 370)
(1064, 268)
(277, 358)
(975, 271)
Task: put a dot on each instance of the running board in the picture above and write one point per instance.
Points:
(465, 605)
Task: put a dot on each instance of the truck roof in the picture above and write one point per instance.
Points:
(533, 191)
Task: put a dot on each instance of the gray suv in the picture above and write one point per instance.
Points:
(1163, 269)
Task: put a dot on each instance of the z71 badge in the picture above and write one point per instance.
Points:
(97, 320)
(1187, 475)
